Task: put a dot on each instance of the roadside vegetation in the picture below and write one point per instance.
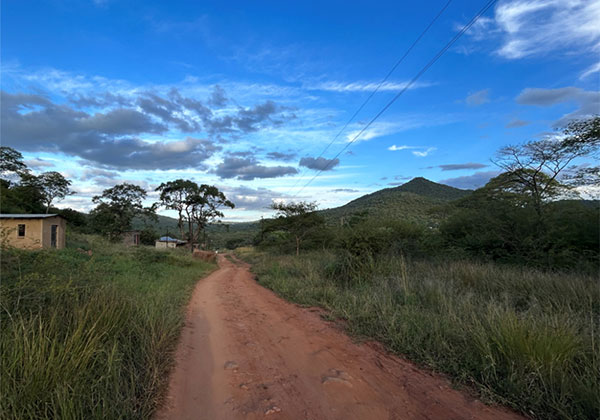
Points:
(520, 336)
(90, 336)
(497, 288)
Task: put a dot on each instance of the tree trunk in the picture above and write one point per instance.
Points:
(180, 224)
(191, 233)
(297, 246)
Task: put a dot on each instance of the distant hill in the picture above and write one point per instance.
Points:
(165, 224)
(419, 201)
(427, 188)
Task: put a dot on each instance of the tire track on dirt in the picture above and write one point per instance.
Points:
(247, 354)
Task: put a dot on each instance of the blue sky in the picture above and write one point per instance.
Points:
(246, 95)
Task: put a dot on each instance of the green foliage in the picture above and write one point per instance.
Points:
(533, 169)
(196, 205)
(11, 163)
(116, 209)
(75, 219)
(19, 199)
(90, 337)
(503, 226)
(294, 220)
(51, 185)
(148, 236)
(417, 201)
(520, 336)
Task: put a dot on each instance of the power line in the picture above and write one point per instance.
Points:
(408, 85)
(416, 41)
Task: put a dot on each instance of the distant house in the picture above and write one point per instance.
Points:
(165, 242)
(131, 238)
(33, 231)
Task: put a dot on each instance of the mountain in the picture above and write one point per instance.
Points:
(419, 201)
(427, 188)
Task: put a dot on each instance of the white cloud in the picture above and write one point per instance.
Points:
(395, 148)
(418, 151)
(423, 153)
(536, 27)
(594, 68)
(401, 123)
(363, 86)
(541, 26)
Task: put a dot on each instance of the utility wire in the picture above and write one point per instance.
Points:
(408, 85)
(416, 41)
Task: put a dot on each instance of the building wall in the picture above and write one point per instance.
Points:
(60, 232)
(33, 238)
(164, 244)
(37, 232)
(129, 238)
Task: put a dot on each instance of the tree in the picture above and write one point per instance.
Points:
(11, 163)
(174, 195)
(198, 205)
(298, 219)
(534, 168)
(52, 185)
(116, 208)
(204, 208)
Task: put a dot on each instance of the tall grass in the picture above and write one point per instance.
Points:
(90, 337)
(521, 337)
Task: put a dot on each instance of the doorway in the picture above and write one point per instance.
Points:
(53, 231)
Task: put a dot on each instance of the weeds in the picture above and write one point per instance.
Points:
(522, 337)
(90, 336)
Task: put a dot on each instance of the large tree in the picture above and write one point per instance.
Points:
(204, 208)
(175, 195)
(296, 218)
(11, 163)
(116, 208)
(52, 185)
(196, 205)
(534, 169)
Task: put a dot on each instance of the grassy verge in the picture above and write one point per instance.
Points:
(521, 337)
(90, 337)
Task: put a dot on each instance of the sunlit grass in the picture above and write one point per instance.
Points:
(87, 337)
(522, 337)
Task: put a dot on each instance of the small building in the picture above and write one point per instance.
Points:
(165, 242)
(33, 231)
(131, 238)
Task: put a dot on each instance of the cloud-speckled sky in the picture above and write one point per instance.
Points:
(247, 95)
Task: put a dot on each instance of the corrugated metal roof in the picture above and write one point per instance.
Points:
(169, 239)
(27, 216)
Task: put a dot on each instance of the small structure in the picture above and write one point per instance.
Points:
(131, 238)
(33, 231)
(165, 242)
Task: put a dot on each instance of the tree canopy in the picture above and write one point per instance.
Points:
(298, 219)
(116, 208)
(196, 205)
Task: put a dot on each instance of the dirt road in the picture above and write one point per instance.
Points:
(247, 354)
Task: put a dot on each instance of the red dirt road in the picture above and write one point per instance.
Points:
(247, 354)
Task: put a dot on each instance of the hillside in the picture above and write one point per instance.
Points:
(419, 200)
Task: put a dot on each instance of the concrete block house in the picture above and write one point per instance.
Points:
(33, 231)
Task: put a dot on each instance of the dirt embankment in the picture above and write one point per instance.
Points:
(247, 354)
